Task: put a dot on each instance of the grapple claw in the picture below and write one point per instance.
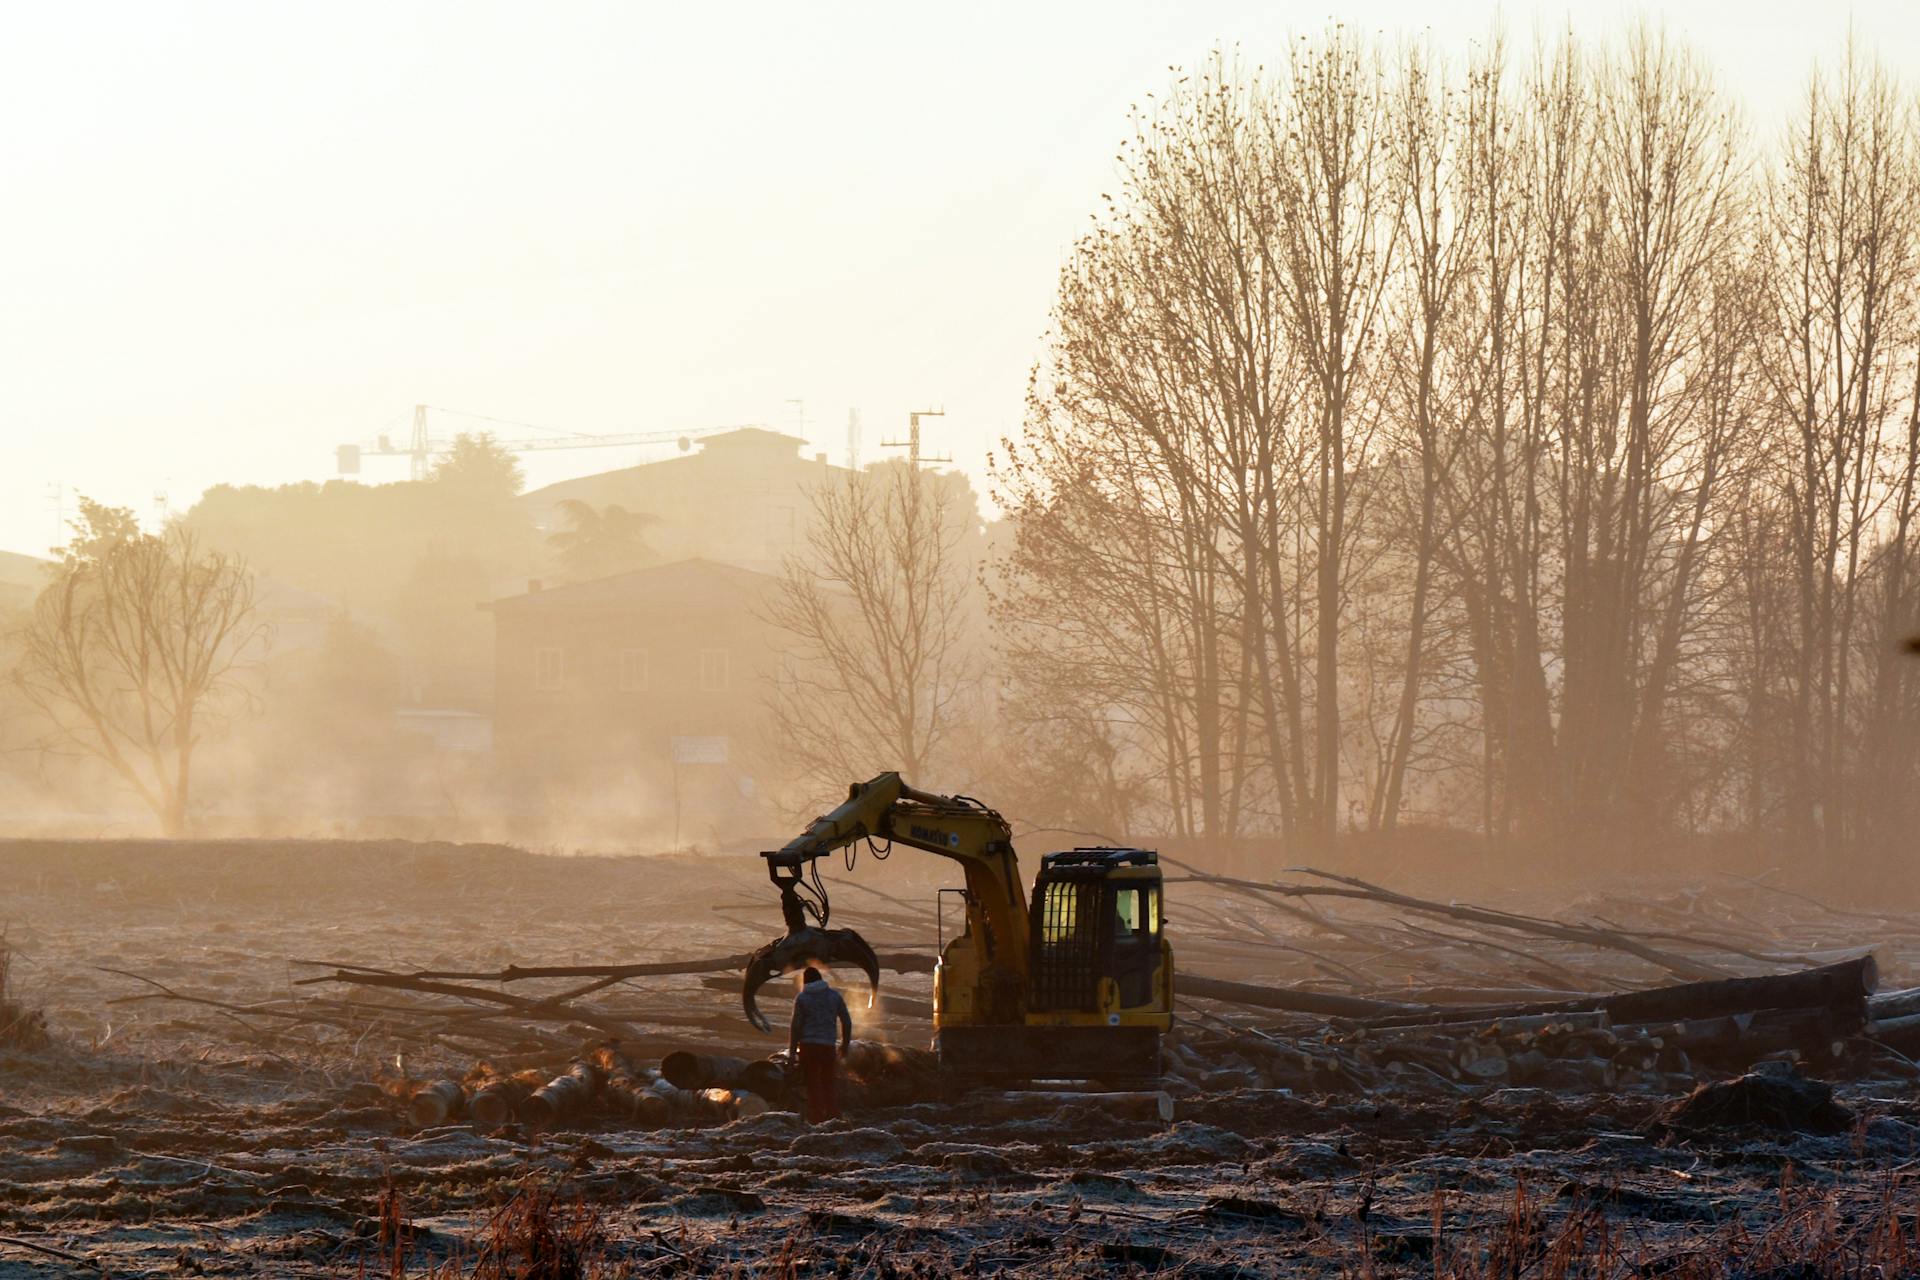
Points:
(804, 947)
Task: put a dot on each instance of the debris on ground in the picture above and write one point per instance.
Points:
(1781, 1100)
(1360, 1082)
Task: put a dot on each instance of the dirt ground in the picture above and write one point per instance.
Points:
(156, 1137)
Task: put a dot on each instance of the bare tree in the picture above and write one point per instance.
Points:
(1157, 459)
(1843, 227)
(1434, 167)
(1340, 235)
(879, 607)
(134, 650)
(1387, 418)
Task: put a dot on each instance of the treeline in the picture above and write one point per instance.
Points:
(1526, 446)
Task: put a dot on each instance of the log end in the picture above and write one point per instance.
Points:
(426, 1110)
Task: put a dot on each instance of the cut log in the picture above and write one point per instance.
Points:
(1894, 1004)
(684, 1070)
(563, 1096)
(768, 1077)
(875, 1057)
(629, 1094)
(495, 1103)
(687, 1105)
(437, 1103)
(730, 1104)
(1903, 1028)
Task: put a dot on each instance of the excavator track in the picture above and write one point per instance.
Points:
(1118, 1056)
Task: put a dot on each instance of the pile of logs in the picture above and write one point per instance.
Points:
(686, 1089)
(603, 1084)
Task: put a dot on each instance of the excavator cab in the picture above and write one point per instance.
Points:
(1096, 939)
(1099, 989)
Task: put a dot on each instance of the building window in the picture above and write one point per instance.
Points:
(549, 669)
(633, 670)
(715, 668)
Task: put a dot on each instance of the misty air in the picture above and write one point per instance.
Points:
(869, 641)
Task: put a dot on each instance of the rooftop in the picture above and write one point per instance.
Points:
(624, 590)
(728, 447)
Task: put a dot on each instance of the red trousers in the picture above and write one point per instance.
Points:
(817, 1063)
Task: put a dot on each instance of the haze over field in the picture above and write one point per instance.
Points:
(1502, 437)
(237, 235)
(1351, 706)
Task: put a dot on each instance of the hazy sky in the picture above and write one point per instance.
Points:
(234, 236)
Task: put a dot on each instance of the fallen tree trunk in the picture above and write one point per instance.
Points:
(1349, 887)
(1288, 999)
(898, 962)
(1741, 1039)
(1842, 987)
(551, 1010)
(1511, 1025)
(1835, 986)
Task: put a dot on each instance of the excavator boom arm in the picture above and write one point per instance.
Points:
(952, 827)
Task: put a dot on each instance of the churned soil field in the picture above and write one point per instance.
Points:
(176, 1100)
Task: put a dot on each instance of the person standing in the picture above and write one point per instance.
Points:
(820, 1018)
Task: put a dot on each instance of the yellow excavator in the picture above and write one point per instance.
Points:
(1074, 983)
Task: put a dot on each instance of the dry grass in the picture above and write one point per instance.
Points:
(1813, 1234)
(20, 1027)
(1816, 1235)
(538, 1234)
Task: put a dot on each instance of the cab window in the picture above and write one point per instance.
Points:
(1060, 917)
(1136, 914)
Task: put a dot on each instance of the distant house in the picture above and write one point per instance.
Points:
(296, 619)
(21, 578)
(741, 497)
(448, 730)
(657, 674)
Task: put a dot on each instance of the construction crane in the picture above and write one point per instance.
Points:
(422, 447)
(912, 443)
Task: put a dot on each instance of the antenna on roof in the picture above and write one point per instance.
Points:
(912, 443)
(57, 503)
